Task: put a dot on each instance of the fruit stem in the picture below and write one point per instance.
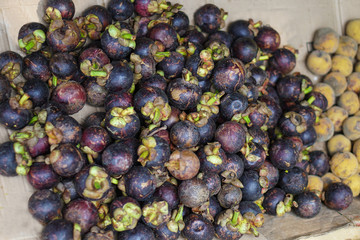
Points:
(308, 90)
(179, 215)
(30, 45)
(98, 73)
(311, 99)
(235, 217)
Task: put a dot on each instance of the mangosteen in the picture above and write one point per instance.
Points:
(31, 37)
(14, 160)
(240, 28)
(63, 129)
(209, 18)
(42, 176)
(11, 64)
(59, 9)
(231, 136)
(153, 152)
(125, 213)
(82, 212)
(122, 123)
(245, 49)
(96, 19)
(67, 160)
(293, 181)
(193, 192)
(166, 34)
(61, 229)
(212, 158)
(156, 213)
(183, 164)
(117, 159)
(141, 231)
(45, 206)
(152, 104)
(252, 188)
(306, 205)
(121, 10)
(117, 42)
(139, 183)
(63, 35)
(283, 154)
(276, 202)
(198, 227)
(319, 163)
(172, 65)
(267, 39)
(93, 183)
(228, 75)
(337, 196)
(172, 229)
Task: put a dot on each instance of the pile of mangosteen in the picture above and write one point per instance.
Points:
(201, 131)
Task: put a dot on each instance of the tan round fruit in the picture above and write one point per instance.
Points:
(328, 178)
(352, 29)
(349, 100)
(357, 67)
(337, 81)
(347, 47)
(319, 62)
(342, 64)
(326, 39)
(356, 149)
(344, 164)
(315, 184)
(338, 143)
(337, 115)
(324, 129)
(354, 183)
(353, 82)
(326, 90)
(351, 128)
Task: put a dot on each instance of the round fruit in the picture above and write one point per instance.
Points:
(319, 62)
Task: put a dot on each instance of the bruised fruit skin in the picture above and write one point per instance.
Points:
(307, 205)
(63, 35)
(198, 227)
(45, 205)
(315, 185)
(229, 196)
(183, 164)
(337, 196)
(326, 39)
(139, 183)
(273, 202)
(165, 34)
(63, 129)
(71, 95)
(193, 192)
(267, 39)
(293, 181)
(319, 62)
(184, 134)
(67, 160)
(228, 75)
(353, 82)
(82, 212)
(231, 136)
